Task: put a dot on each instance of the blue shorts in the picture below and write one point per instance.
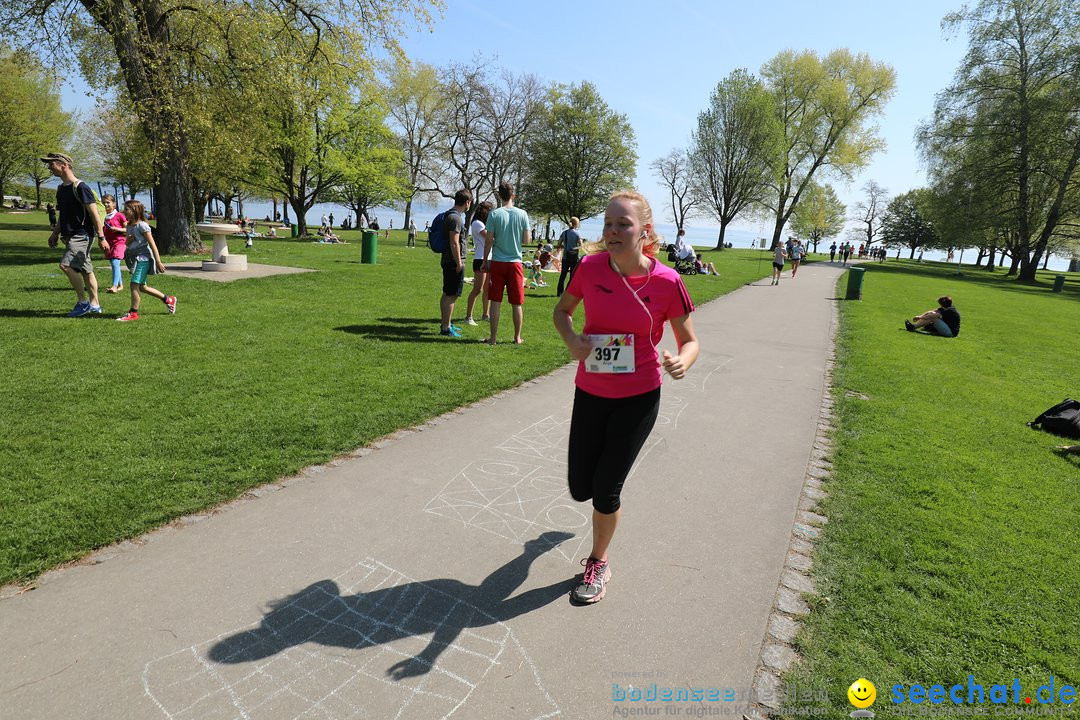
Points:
(139, 270)
(941, 328)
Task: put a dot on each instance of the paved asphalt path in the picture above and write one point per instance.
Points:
(428, 578)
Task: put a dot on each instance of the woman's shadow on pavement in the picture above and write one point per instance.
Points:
(443, 607)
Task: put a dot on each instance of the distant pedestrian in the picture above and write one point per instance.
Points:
(323, 221)
(453, 261)
(796, 257)
(115, 225)
(142, 255)
(506, 234)
(411, 242)
(628, 295)
(331, 218)
(570, 242)
(778, 263)
(78, 223)
(480, 276)
(832, 252)
(51, 209)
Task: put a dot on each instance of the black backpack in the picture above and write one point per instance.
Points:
(1062, 419)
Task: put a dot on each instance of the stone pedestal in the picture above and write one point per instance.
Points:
(221, 260)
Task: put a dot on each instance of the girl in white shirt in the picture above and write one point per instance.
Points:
(480, 277)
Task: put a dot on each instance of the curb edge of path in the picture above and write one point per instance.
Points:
(778, 654)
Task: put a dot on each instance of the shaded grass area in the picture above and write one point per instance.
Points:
(951, 545)
(111, 429)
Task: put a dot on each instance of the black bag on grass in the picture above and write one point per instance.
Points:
(1062, 419)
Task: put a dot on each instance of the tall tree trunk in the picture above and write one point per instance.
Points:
(140, 35)
(1014, 263)
(1074, 264)
(990, 259)
(720, 237)
(37, 192)
(301, 215)
(408, 212)
(778, 228)
(175, 206)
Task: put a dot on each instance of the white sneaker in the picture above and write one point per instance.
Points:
(469, 321)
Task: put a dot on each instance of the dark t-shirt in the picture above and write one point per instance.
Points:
(951, 318)
(71, 201)
(453, 223)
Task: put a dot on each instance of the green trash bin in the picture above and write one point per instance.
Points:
(369, 246)
(1059, 283)
(854, 283)
(293, 230)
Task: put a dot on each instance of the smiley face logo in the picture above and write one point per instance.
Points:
(862, 693)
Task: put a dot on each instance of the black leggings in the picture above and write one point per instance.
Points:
(606, 435)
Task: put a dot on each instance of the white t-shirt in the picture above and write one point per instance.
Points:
(477, 232)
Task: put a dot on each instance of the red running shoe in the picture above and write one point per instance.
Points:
(170, 302)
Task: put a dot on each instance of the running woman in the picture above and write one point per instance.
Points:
(628, 296)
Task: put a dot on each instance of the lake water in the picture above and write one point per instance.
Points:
(702, 236)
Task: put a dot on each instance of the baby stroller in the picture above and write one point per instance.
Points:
(684, 266)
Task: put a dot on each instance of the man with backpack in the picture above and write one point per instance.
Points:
(453, 259)
(78, 224)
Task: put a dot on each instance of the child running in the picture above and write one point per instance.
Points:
(115, 224)
(141, 252)
(617, 397)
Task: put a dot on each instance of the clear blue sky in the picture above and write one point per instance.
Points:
(657, 62)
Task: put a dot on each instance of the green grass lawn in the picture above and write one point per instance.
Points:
(111, 429)
(952, 545)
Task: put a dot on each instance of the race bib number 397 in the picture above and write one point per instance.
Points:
(611, 354)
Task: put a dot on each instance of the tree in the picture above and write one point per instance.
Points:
(485, 125)
(824, 106)
(416, 100)
(122, 150)
(160, 46)
(581, 153)
(375, 172)
(674, 170)
(735, 149)
(905, 223)
(868, 212)
(819, 215)
(31, 121)
(1014, 104)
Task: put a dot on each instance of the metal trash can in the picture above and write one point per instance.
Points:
(854, 283)
(369, 246)
(293, 230)
(1059, 283)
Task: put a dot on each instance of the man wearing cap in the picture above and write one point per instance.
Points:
(78, 225)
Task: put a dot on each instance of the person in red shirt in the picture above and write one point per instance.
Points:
(115, 226)
(628, 296)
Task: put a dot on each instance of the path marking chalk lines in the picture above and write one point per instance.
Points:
(305, 678)
(518, 490)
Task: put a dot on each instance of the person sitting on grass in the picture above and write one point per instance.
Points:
(705, 268)
(945, 321)
(1068, 449)
(536, 275)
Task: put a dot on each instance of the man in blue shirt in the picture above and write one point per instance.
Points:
(78, 224)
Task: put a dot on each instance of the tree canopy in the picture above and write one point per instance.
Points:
(580, 153)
